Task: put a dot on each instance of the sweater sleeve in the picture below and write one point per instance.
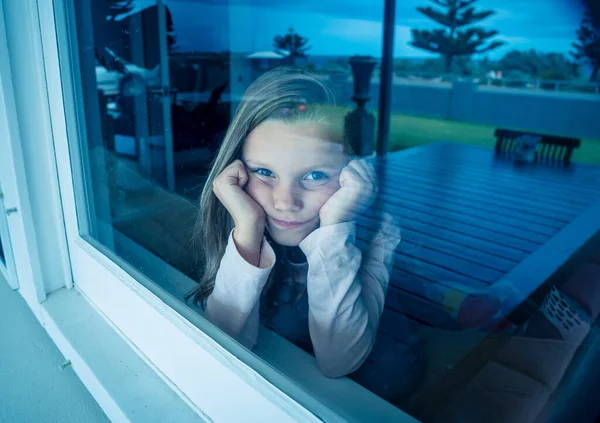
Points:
(346, 293)
(234, 303)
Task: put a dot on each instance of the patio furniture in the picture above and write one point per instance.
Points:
(554, 149)
(472, 221)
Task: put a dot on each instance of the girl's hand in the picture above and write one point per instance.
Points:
(358, 189)
(248, 215)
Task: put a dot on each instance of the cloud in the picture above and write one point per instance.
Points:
(345, 27)
(367, 37)
(353, 28)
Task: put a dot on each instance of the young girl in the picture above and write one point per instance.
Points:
(277, 234)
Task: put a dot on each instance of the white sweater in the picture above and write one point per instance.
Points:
(346, 293)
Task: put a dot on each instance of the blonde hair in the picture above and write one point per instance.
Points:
(285, 94)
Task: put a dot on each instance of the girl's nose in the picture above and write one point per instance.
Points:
(285, 198)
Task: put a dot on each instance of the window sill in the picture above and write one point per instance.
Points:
(349, 400)
(123, 384)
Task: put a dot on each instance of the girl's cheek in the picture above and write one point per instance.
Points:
(257, 190)
(250, 187)
(324, 194)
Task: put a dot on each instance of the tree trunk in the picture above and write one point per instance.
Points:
(448, 63)
(594, 76)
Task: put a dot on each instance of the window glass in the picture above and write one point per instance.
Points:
(451, 277)
(494, 165)
(164, 103)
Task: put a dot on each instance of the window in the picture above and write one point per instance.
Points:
(147, 115)
(164, 108)
(489, 153)
(498, 245)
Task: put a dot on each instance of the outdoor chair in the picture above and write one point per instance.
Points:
(551, 149)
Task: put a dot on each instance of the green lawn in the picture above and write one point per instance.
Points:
(410, 131)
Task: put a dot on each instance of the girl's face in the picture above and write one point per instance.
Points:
(293, 170)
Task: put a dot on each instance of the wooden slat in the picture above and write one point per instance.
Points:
(427, 232)
(518, 185)
(445, 189)
(442, 187)
(582, 177)
(412, 245)
(462, 268)
(455, 196)
(485, 164)
(412, 240)
(434, 271)
(415, 275)
(409, 290)
(477, 218)
(484, 161)
(518, 221)
(509, 240)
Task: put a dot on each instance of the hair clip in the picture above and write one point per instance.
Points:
(287, 110)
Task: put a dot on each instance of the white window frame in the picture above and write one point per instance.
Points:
(15, 189)
(204, 366)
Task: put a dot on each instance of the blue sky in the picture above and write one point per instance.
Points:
(346, 27)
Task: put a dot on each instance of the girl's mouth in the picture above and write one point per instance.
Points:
(284, 224)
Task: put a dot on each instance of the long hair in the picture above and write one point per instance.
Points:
(284, 94)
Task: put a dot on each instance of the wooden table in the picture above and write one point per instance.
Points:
(470, 219)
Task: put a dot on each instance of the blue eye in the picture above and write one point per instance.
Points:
(316, 176)
(263, 172)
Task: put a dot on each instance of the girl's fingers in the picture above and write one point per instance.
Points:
(242, 173)
(348, 174)
(235, 174)
(372, 173)
(359, 168)
(365, 171)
